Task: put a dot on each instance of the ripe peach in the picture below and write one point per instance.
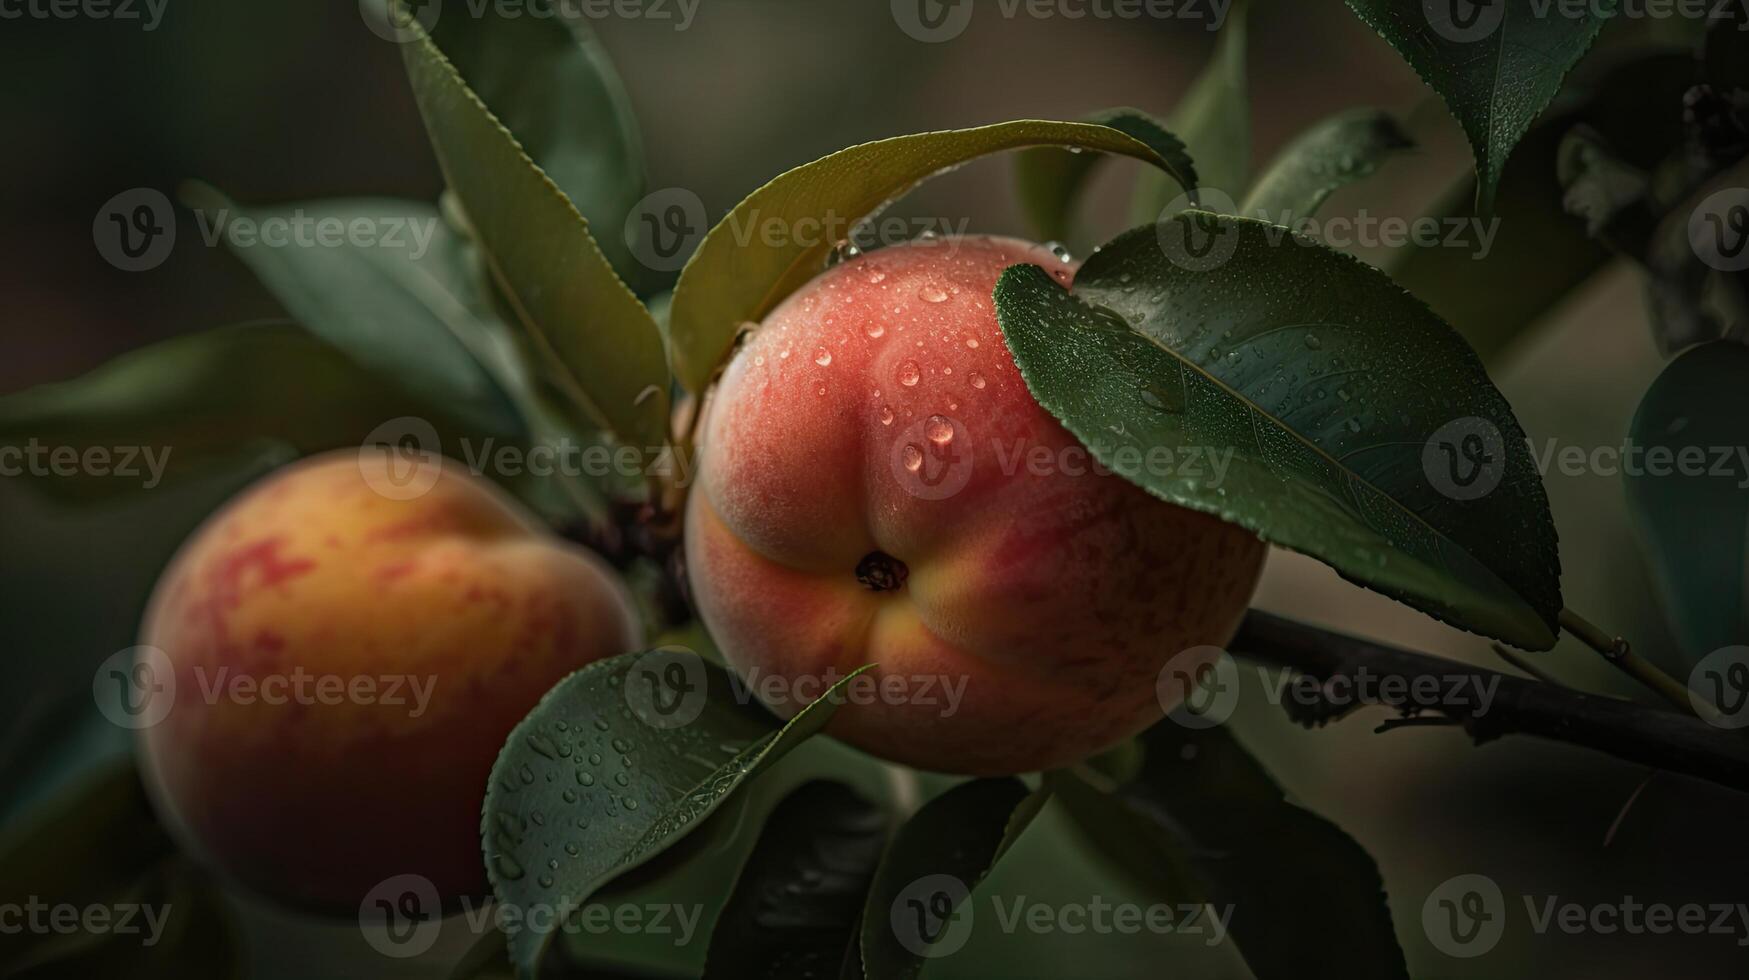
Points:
(877, 485)
(345, 667)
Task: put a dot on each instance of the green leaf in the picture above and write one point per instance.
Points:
(1205, 822)
(405, 306)
(1049, 179)
(553, 86)
(588, 330)
(196, 401)
(1539, 255)
(1363, 432)
(736, 277)
(936, 859)
(1213, 119)
(1497, 65)
(1331, 154)
(1694, 525)
(599, 778)
(796, 907)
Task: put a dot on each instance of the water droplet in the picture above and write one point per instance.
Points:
(938, 429)
(546, 881)
(822, 357)
(759, 360)
(977, 380)
(972, 342)
(622, 779)
(874, 275)
(1312, 342)
(913, 457)
(508, 869)
(909, 375)
(932, 294)
(886, 415)
(585, 778)
(874, 329)
(783, 355)
(630, 803)
(1059, 250)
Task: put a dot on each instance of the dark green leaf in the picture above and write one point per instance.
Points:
(1496, 64)
(1539, 254)
(553, 86)
(935, 861)
(733, 280)
(1213, 119)
(587, 329)
(1695, 524)
(1049, 179)
(196, 401)
(608, 770)
(1205, 822)
(1363, 432)
(407, 307)
(1331, 154)
(796, 908)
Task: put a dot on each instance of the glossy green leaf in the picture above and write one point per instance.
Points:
(1214, 120)
(736, 277)
(1497, 65)
(401, 298)
(1694, 520)
(797, 905)
(1049, 179)
(1202, 821)
(1331, 154)
(587, 329)
(1538, 254)
(196, 401)
(551, 83)
(608, 770)
(916, 905)
(1363, 432)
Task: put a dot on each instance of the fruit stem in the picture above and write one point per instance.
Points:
(1616, 650)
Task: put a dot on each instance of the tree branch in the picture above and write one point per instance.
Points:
(1652, 736)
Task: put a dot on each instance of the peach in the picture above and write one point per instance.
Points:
(877, 485)
(346, 665)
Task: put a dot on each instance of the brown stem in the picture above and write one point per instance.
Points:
(1650, 736)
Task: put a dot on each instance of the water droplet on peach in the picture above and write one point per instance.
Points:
(932, 294)
(939, 430)
(913, 457)
(874, 329)
(977, 381)
(886, 415)
(909, 375)
(822, 357)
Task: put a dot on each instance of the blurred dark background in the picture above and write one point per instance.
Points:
(277, 102)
